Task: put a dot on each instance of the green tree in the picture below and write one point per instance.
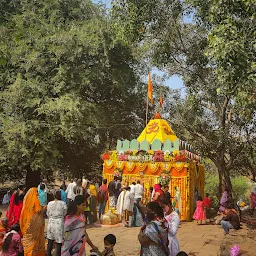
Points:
(65, 79)
(216, 64)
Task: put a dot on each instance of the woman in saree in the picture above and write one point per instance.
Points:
(153, 236)
(75, 235)
(32, 225)
(15, 207)
(158, 193)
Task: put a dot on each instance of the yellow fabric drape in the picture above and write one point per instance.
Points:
(32, 225)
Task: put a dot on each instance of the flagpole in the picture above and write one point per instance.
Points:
(147, 112)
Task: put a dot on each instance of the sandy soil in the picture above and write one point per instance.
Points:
(196, 240)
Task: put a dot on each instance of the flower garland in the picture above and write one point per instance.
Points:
(130, 166)
(154, 167)
(165, 178)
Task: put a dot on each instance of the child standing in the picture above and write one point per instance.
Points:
(109, 243)
(199, 214)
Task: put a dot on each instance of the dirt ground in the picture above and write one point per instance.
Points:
(195, 240)
(199, 240)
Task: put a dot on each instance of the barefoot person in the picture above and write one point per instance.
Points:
(75, 235)
(56, 211)
(199, 214)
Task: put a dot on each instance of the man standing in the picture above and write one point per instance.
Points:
(132, 186)
(102, 197)
(138, 192)
(111, 191)
(70, 190)
(125, 204)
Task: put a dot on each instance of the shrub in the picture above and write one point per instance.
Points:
(240, 191)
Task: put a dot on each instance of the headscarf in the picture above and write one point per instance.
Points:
(157, 187)
(32, 224)
(31, 205)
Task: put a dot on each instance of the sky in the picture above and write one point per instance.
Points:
(174, 82)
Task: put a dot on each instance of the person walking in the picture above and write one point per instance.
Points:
(102, 197)
(199, 214)
(56, 211)
(32, 225)
(76, 236)
(138, 192)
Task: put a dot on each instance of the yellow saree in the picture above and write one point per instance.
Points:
(32, 225)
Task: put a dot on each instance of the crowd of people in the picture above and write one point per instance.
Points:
(83, 202)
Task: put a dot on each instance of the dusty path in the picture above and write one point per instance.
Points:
(204, 240)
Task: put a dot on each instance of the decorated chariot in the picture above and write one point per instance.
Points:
(158, 156)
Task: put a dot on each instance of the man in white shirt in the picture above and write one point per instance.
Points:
(132, 186)
(70, 190)
(138, 192)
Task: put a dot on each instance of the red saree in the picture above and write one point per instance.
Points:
(14, 211)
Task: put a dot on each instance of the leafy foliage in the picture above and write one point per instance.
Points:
(66, 79)
(215, 56)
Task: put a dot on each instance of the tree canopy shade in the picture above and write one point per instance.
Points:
(64, 75)
(215, 56)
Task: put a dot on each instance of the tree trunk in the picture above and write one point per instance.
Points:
(32, 178)
(224, 179)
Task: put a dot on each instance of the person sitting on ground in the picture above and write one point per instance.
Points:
(231, 220)
(12, 242)
(109, 243)
(207, 205)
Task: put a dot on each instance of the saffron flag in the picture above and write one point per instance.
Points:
(150, 88)
(161, 101)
